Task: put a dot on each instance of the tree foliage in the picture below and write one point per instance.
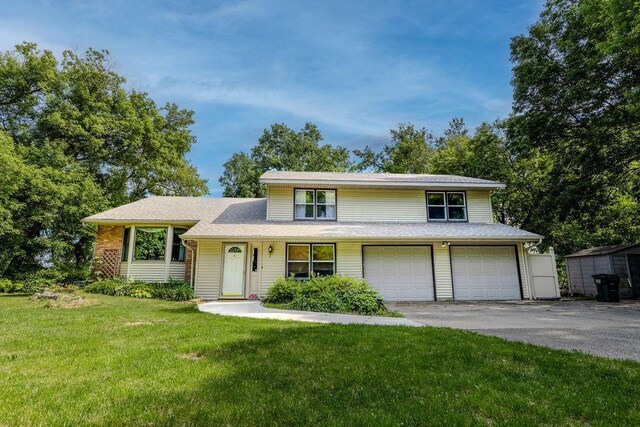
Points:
(281, 148)
(76, 142)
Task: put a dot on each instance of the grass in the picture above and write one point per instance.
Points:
(125, 361)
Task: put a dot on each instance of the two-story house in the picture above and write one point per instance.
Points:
(412, 237)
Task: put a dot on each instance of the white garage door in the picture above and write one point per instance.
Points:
(400, 273)
(485, 273)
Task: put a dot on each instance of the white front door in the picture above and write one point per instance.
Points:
(233, 270)
(400, 273)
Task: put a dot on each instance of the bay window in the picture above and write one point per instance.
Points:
(303, 260)
(150, 244)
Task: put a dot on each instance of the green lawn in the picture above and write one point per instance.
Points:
(130, 361)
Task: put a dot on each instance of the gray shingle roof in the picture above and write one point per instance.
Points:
(176, 209)
(602, 250)
(246, 218)
(357, 230)
(375, 179)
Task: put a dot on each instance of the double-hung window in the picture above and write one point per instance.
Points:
(315, 204)
(306, 259)
(446, 206)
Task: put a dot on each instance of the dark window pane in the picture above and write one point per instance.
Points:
(323, 252)
(308, 211)
(304, 196)
(150, 244)
(125, 244)
(435, 199)
(455, 199)
(298, 253)
(321, 211)
(298, 269)
(323, 268)
(309, 196)
(456, 213)
(178, 251)
(326, 197)
(436, 213)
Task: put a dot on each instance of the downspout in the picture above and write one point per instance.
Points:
(183, 243)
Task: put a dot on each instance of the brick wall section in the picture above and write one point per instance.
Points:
(189, 260)
(109, 237)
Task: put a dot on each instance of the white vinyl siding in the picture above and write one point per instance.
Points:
(349, 257)
(177, 270)
(146, 271)
(207, 281)
(273, 265)
(479, 206)
(371, 205)
(524, 276)
(442, 271)
(378, 204)
(279, 204)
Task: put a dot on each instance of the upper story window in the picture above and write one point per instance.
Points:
(315, 204)
(446, 206)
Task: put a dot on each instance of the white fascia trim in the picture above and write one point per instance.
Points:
(451, 185)
(362, 239)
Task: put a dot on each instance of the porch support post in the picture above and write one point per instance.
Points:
(167, 252)
(132, 239)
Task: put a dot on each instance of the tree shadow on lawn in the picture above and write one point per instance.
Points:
(364, 375)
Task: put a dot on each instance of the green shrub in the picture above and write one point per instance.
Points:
(332, 294)
(283, 291)
(174, 290)
(41, 279)
(9, 287)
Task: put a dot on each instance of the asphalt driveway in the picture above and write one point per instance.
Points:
(603, 329)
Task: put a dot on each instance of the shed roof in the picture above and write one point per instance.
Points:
(602, 250)
(376, 179)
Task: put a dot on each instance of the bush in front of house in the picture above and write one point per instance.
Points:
(330, 294)
(174, 290)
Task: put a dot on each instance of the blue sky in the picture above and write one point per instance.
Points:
(355, 68)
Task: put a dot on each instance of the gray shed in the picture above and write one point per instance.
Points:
(623, 260)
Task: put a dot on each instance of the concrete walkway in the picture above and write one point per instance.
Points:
(256, 310)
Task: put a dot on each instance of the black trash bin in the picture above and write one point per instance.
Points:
(608, 286)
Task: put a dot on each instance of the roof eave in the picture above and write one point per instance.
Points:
(89, 220)
(372, 238)
(456, 185)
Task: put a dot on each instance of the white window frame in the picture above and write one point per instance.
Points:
(310, 260)
(446, 206)
(315, 204)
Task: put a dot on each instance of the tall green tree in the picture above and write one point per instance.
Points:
(281, 148)
(85, 143)
(576, 81)
(409, 151)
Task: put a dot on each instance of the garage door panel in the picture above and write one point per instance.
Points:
(485, 273)
(400, 273)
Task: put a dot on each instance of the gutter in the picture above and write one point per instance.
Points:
(348, 183)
